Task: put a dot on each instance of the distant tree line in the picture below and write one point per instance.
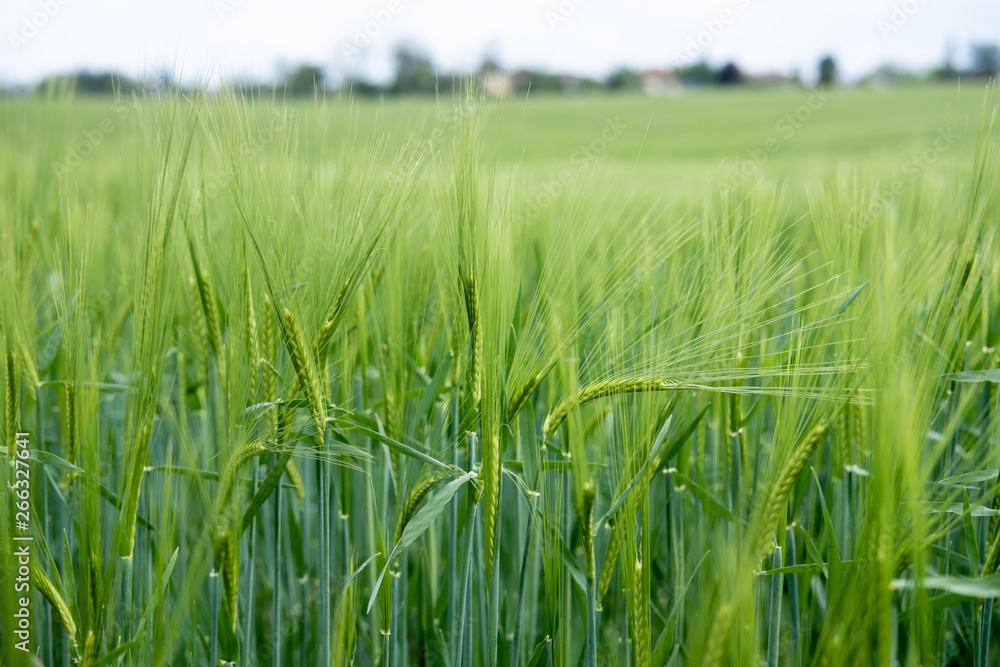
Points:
(415, 73)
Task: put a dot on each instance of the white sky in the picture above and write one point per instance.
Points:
(265, 37)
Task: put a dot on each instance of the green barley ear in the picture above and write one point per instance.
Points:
(322, 342)
(228, 564)
(252, 341)
(778, 498)
(640, 634)
(198, 322)
(268, 380)
(211, 309)
(11, 403)
(29, 373)
(490, 475)
(417, 495)
(70, 425)
(471, 291)
(48, 590)
(228, 478)
(716, 648)
(295, 479)
(595, 391)
(521, 396)
(305, 371)
(608, 567)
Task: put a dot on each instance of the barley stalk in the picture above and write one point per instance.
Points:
(587, 527)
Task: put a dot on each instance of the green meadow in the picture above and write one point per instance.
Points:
(577, 380)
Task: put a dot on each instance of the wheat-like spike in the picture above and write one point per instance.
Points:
(520, 397)
(130, 504)
(145, 301)
(268, 381)
(640, 631)
(475, 337)
(305, 371)
(198, 320)
(322, 342)
(11, 403)
(717, 636)
(236, 461)
(610, 561)
(228, 564)
(783, 487)
(861, 428)
(48, 590)
(418, 493)
(253, 343)
(93, 598)
(70, 426)
(991, 525)
(846, 435)
(29, 372)
(456, 358)
(992, 557)
(490, 475)
(295, 477)
(587, 526)
(211, 309)
(595, 391)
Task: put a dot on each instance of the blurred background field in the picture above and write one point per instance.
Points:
(666, 145)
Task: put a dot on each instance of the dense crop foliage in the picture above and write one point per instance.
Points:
(300, 393)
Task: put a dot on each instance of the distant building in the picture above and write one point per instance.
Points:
(660, 82)
(772, 79)
(496, 83)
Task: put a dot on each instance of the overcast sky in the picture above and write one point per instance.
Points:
(263, 38)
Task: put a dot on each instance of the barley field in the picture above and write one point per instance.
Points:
(588, 380)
